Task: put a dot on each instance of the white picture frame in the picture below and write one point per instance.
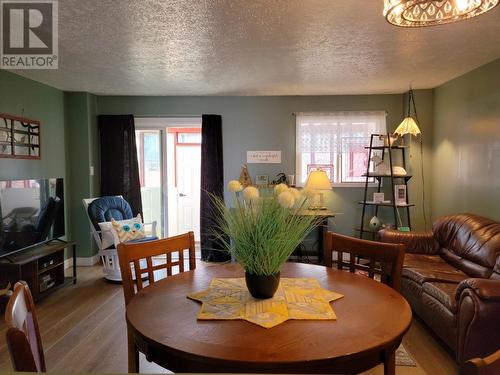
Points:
(262, 180)
(400, 195)
(378, 197)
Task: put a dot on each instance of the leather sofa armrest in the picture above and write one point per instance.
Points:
(416, 242)
(477, 315)
(485, 289)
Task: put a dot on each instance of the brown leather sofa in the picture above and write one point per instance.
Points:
(451, 278)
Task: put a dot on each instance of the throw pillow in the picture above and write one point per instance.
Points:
(107, 234)
(127, 230)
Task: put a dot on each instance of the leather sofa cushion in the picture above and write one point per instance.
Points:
(440, 319)
(470, 241)
(443, 292)
(424, 268)
(412, 292)
(471, 268)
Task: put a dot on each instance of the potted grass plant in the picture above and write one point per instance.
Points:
(261, 232)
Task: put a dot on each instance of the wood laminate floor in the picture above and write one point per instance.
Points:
(83, 331)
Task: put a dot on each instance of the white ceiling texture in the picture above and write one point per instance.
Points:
(257, 47)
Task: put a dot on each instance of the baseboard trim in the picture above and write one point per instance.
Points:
(68, 263)
(82, 261)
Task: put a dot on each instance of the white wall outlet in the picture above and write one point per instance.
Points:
(91, 170)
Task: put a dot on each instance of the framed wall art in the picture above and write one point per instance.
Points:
(400, 194)
(262, 180)
(19, 137)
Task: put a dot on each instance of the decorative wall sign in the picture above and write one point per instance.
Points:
(19, 137)
(264, 157)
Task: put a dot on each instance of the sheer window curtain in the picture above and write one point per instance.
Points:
(331, 134)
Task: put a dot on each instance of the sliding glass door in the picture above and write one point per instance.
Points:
(169, 155)
(149, 150)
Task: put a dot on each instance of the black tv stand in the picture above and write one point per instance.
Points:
(42, 267)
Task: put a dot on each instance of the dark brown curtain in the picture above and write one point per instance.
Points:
(212, 182)
(119, 166)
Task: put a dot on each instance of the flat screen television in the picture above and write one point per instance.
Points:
(31, 213)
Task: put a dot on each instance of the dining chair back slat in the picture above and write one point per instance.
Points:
(147, 255)
(23, 334)
(151, 269)
(384, 259)
(371, 271)
(169, 261)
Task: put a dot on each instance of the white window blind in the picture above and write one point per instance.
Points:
(335, 142)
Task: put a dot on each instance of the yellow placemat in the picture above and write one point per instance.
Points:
(296, 298)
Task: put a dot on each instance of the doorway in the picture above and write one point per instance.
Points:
(169, 155)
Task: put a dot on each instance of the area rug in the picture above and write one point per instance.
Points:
(403, 358)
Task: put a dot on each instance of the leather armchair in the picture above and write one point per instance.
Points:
(451, 278)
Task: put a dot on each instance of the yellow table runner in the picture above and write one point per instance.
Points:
(296, 298)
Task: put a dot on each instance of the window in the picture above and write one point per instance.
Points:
(335, 142)
(191, 137)
(148, 152)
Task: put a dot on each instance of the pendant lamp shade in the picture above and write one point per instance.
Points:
(407, 126)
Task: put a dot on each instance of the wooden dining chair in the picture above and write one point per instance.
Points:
(147, 254)
(23, 334)
(482, 366)
(384, 259)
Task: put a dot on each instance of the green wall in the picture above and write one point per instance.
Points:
(81, 145)
(24, 97)
(466, 161)
(68, 129)
(268, 123)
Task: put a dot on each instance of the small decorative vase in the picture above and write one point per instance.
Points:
(262, 287)
(375, 223)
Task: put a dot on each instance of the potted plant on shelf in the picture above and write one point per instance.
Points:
(261, 232)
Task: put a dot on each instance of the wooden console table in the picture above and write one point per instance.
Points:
(41, 262)
(323, 216)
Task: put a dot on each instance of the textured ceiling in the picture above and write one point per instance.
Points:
(251, 47)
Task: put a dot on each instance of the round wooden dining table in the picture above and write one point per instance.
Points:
(371, 321)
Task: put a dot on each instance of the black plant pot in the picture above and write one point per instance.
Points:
(262, 287)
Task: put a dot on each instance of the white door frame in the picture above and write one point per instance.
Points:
(163, 123)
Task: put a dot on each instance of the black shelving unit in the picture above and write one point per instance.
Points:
(379, 178)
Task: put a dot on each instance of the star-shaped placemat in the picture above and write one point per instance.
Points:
(296, 298)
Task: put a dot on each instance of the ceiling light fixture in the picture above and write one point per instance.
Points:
(419, 13)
